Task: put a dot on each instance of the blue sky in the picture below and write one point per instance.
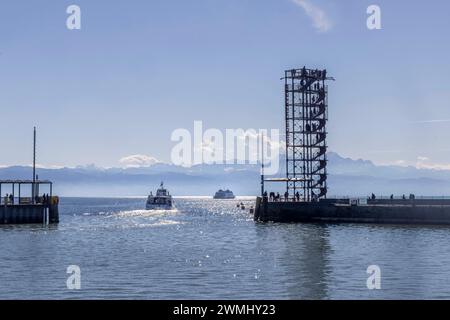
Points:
(137, 70)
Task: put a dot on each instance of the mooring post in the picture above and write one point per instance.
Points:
(45, 218)
(33, 187)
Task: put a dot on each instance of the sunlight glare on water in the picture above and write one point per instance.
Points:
(212, 249)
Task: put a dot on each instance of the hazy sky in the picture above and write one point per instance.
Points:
(137, 70)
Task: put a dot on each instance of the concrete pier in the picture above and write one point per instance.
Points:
(29, 214)
(36, 207)
(24, 201)
(436, 212)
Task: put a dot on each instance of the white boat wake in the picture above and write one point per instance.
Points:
(147, 213)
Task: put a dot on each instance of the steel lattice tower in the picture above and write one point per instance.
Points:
(306, 116)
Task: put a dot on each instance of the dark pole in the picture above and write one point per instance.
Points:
(34, 166)
(262, 165)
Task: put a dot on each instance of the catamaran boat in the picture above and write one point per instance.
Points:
(224, 194)
(162, 200)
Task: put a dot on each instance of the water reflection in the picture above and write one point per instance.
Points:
(308, 249)
(302, 258)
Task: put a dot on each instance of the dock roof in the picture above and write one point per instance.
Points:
(25, 182)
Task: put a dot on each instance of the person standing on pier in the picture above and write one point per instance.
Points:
(272, 196)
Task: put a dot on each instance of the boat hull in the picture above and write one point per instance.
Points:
(150, 206)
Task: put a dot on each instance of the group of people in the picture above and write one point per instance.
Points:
(8, 199)
(44, 199)
(411, 197)
(276, 197)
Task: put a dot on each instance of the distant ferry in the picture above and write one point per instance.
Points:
(162, 200)
(221, 194)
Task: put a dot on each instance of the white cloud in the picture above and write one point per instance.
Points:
(53, 166)
(434, 166)
(138, 160)
(320, 19)
(397, 163)
(432, 121)
(426, 163)
(38, 166)
(420, 163)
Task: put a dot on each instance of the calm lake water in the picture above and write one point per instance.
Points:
(210, 249)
